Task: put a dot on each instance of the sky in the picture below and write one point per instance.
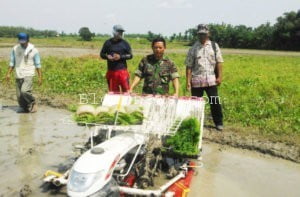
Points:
(139, 16)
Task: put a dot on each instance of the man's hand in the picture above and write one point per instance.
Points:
(7, 77)
(110, 58)
(188, 86)
(40, 81)
(219, 81)
(116, 57)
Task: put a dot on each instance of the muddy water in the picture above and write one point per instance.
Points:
(234, 172)
(34, 143)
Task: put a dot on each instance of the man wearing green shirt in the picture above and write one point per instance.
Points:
(157, 71)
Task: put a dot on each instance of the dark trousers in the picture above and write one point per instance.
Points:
(24, 95)
(214, 101)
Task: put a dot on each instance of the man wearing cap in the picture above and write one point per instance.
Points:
(204, 72)
(25, 59)
(116, 51)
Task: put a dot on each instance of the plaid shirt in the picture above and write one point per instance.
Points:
(201, 60)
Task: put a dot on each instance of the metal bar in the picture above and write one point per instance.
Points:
(158, 192)
(132, 162)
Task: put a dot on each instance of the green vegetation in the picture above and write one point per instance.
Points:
(86, 34)
(133, 118)
(259, 92)
(185, 141)
(131, 115)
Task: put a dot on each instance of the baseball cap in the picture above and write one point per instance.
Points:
(23, 37)
(202, 29)
(118, 28)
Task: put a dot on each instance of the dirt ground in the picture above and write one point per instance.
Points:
(34, 143)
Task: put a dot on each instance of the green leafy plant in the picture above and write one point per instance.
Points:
(133, 118)
(185, 141)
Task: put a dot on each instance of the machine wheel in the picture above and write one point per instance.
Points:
(144, 182)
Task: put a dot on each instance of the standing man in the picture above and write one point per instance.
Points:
(116, 51)
(157, 70)
(25, 59)
(204, 72)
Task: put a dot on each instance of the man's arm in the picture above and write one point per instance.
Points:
(176, 86)
(38, 66)
(7, 77)
(189, 62)
(139, 74)
(128, 54)
(39, 71)
(12, 63)
(219, 73)
(174, 77)
(188, 78)
(219, 65)
(136, 80)
(104, 51)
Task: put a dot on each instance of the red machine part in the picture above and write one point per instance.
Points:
(129, 180)
(182, 186)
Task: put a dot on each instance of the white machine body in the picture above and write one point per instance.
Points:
(93, 170)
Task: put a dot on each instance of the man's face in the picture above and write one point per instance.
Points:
(202, 37)
(24, 44)
(118, 35)
(158, 49)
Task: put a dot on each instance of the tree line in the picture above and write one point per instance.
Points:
(283, 35)
(7, 31)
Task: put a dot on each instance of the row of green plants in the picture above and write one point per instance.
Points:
(257, 91)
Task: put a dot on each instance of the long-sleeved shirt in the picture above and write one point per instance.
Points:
(25, 60)
(36, 60)
(120, 47)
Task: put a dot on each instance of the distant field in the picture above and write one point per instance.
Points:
(73, 47)
(96, 43)
(259, 91)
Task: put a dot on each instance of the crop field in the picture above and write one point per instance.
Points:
(260, 92)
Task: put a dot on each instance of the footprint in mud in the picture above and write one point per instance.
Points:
(25, 191)
(8, 135)
(31, 151)
(60, 137)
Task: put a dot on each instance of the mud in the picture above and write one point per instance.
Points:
(251, 142)
(34, 143)
(289, 151)
(229, 171)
